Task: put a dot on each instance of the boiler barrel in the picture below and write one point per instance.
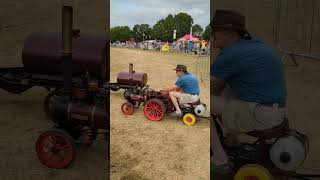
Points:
(42, 54)
(139, 79)
(88, 115)
(71, 114)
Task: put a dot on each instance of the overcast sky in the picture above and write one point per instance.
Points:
(131, 12)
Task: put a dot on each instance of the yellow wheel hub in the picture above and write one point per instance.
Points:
(253, 172)
(189, 119)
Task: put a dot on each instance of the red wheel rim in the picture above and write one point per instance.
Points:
(153, 110)
(55, 150)
(251, 178)
(189, 119)
(127, 108)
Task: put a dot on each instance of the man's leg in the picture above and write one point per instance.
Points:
(218, 104)
(219, 156)
(231, 140)
(173, 96)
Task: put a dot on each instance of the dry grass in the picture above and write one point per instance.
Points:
(142, 149)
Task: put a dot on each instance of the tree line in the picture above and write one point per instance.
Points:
(162, 29)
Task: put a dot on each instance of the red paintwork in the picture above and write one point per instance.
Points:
(89, 115)
(42, 54)
(139, 79)
(127, 108)
(59, 142)
(154, 110)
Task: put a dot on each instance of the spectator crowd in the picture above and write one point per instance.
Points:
(188, 47)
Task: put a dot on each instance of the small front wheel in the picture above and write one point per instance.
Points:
(127, 108)
(56, 148)
(189, 119)
(253, 172)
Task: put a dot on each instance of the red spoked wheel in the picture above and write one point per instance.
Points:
(56, 148)
(154, 109)
(127, 108)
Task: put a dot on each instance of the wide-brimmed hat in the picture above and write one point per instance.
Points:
(228, 19)
(181, 67)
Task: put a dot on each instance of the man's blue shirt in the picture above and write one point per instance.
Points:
(188, 83)
(190, 45)
(253, 70)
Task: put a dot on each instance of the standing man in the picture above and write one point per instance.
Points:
(189, 47)
(186, 89)
(195, 47)
(198, 47)
(203, 46)
(248, 89)
(186, 46)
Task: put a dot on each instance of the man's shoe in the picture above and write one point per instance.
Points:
(175, 114)
(222, 169)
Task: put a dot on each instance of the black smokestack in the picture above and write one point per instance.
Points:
(130, 76)
(67, 24)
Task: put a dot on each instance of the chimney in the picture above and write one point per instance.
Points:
(67, 24)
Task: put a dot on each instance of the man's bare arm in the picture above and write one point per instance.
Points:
(171, 88)
(217, 85)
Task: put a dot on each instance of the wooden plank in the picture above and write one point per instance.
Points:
(315, 41)
(295, 21)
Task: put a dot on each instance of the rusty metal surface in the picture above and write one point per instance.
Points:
(101, 118)
(139, 79)
(42, 54)
(89, 115)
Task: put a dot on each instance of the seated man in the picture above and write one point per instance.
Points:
(186, 89)
(248, 89)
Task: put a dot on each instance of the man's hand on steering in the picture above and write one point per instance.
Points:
(171, 88)
(163, 92)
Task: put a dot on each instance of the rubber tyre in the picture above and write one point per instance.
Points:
(189, 119)
(127, 108)
(60, 137)
(253, 172)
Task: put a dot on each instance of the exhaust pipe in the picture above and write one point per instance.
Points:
(67, 12)
(130, 77)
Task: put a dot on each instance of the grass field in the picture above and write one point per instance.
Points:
(168, 149)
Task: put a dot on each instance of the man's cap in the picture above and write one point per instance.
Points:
(181, 67)
(229, 19)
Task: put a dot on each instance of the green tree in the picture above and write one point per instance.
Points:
(170, 26)
(206, 33)
(197, 30)
(159, 30)
(120, 33)
(183, 23)
(141, 32)
(163, 29)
